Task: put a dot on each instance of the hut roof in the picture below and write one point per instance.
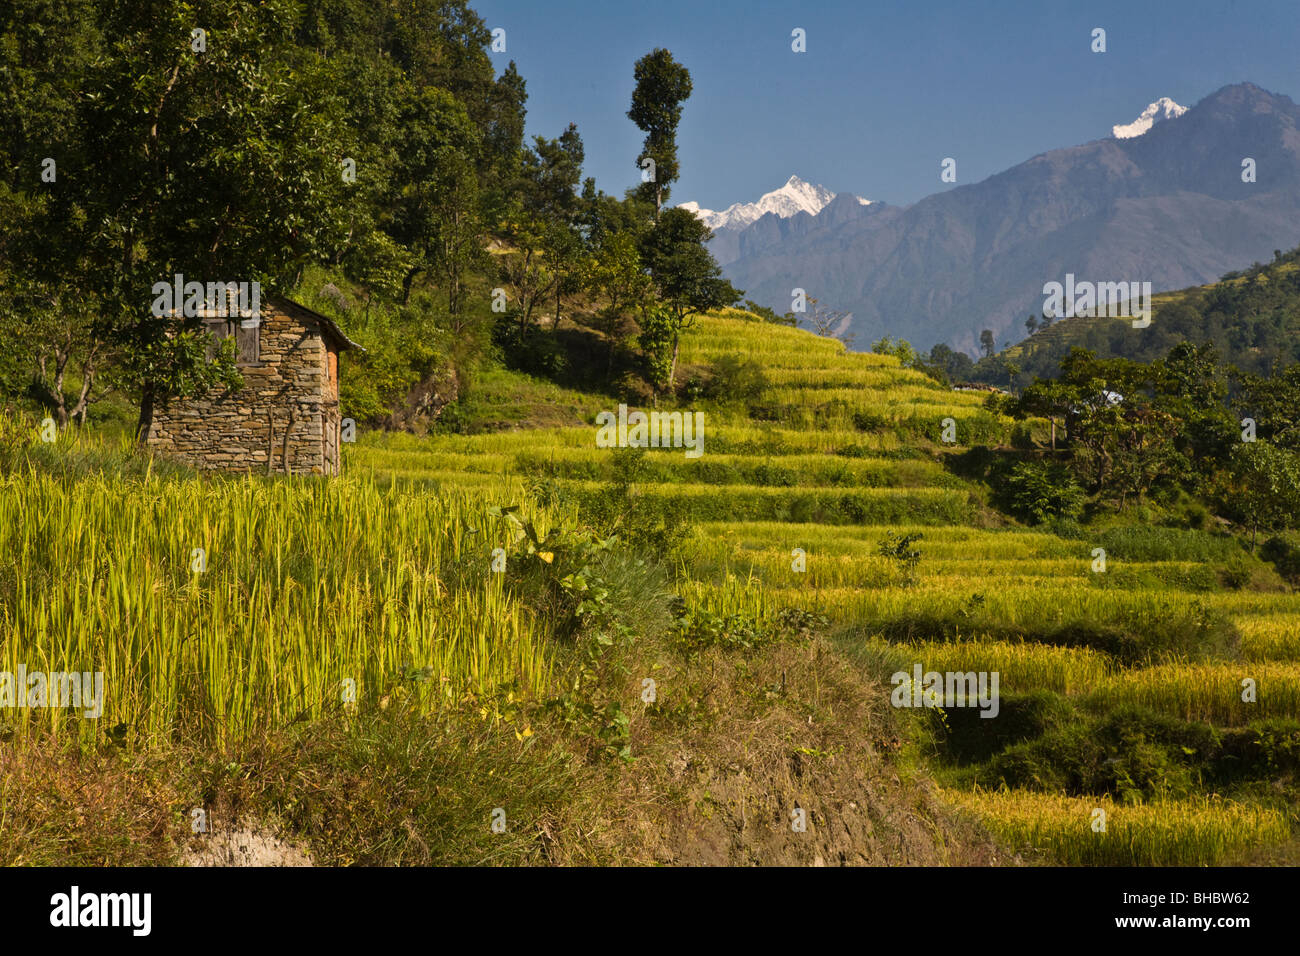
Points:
(329, 325)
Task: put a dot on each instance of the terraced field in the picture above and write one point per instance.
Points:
(1103, 675)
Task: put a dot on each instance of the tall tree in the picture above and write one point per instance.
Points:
(1192, 386)
(543, 222)
(686, 278)
(662, 85)
(435, 201)
(226, 150)
(987, 344)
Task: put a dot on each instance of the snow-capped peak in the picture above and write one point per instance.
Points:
(1162, 109)
(794, 197)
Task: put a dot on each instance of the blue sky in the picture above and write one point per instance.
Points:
(886, 90)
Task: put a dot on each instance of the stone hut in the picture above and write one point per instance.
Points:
(285, 418)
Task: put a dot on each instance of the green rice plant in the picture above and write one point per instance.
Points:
(223, 607)
(1149, 543)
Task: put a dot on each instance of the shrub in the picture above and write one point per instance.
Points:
(1021, 717)
(1131, 754)
(735, 379)
(698, 629)
(1038, 491)
(898, 548)
(869, 422)
(1282, 555)
(1146, 543)
(773, 476)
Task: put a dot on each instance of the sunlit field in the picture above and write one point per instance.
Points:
(217, 608)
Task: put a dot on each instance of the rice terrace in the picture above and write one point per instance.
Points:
(513, 522)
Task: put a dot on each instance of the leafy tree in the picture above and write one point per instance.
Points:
(1274, 402)
(1048, 399)
(901, 349)
(685, 276)
(1264, 487)
(435, 206)
(987, 343)
(657, 340)
(225, 166)
(662, 85)
(49, 323)
(55, 329)
(545, 217)
(600, 214)
(1192, 387)
(1031, 324)
(948, 364)
(614, 276)
(524, 268)
(443, 44)
(1122, 439)
(1013, 371)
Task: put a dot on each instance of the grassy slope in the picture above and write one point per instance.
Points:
(986, 598)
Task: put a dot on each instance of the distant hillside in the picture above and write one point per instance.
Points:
(1252, 317)
(1168, 206)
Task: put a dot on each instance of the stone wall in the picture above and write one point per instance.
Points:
(287, 393)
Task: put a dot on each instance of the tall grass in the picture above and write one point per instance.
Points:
(308, 586)
(1020, 667)
(1204, 832)
(1209, 692)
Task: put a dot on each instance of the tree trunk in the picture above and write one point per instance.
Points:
(146, 413)
(61, 357)
(83, 400)
(406, 285)
(453, 300)
(672, 367)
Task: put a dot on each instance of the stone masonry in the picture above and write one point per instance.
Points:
(286, 414)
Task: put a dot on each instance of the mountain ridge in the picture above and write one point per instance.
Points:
(790, 199)
(1169, 206)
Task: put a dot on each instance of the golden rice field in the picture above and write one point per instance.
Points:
(988, 579)
(1162, 833)
(389, 565)
(223, 608)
